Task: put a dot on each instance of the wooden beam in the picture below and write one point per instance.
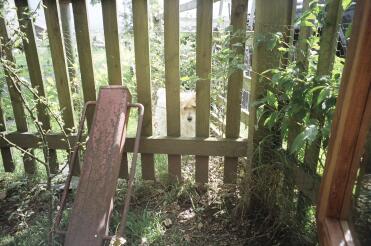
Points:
(148, 145)
(81, 20)
(235, 80)
(203, 71)
(111, 35)
(6, 152)
(172, 78)
(59, 62)
(143, 76)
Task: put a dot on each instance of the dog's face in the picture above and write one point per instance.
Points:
(188, 113)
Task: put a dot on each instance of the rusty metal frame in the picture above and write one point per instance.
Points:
(121, 230)
(72, 163)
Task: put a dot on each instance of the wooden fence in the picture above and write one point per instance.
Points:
(231, 147)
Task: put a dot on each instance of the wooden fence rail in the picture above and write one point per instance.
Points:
(174, 145)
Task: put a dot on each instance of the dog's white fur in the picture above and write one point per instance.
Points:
(187, 113)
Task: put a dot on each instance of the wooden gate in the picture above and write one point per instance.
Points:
(202, 146)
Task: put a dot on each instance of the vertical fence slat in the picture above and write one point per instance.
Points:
(59, 61)
(18, 109)
(143, 75)
(6, 153)
(203, 70)
(238, 21)
(59, 65)
(85, 54)
(111, 35)
(29, 45)
(172, 78)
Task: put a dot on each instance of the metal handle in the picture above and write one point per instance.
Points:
(140, 107)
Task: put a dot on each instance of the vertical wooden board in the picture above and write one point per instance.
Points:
(26, 25)
(124, 172)
(18, 109)
(59, 62)
(172, 80)
(238, 21)
(143, 76)
(80, 15)
(203, 70)
(111, 35)
(6, 153)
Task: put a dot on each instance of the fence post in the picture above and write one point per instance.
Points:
(81, 20)
(172, 78)
(203, 70)
(235, 80)
(59, 62)
(59, 65)
(143, 75)
(111, 35)
(6, 152)
(113, 55)
(271, 17)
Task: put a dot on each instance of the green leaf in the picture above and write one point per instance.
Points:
(322, 96)
(309, 134)
(184, 78)
(320, 87)
(346, 4)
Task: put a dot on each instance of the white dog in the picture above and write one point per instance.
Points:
(187, 113)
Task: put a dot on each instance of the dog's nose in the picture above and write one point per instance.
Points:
(189, 118)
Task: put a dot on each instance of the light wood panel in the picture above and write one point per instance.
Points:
(111, 35)
(59, 62)
(143, 75)
(148, 145)
(85, 54)
(203, 71)
(172, 80)
(6, 152)
(233, 118)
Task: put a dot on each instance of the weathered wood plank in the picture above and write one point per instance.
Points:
(203, 70)
(6, 152)
(235, 80)
(18, 109)
(172, 80)
(143, 76)
(26, 26)
(59, 62)
(148, 145)
(85, 54)
(111, 35)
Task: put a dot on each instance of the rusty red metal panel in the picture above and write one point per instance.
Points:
(94, 198)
